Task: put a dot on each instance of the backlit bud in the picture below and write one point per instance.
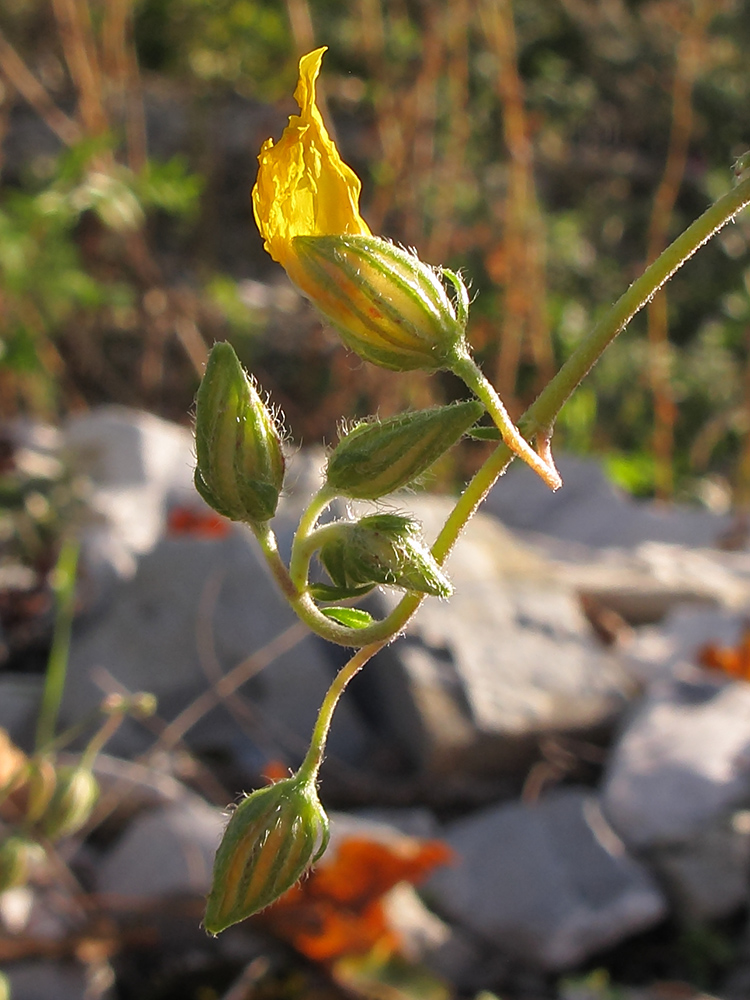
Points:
(18, 857)
(71, 805)
(386, 304)
(240, 468)
(272, 838)
(376, 458)
(382, 549)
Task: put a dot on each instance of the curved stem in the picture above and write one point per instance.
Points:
(314, 757)
(301, 550)
(469, 371)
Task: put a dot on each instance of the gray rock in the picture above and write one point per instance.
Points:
(591, 510)
(510, 657)
(677, 790)
(166, 852)
(195, 609)
(547, 883)
(138, 465)
(644, 584)
(42, 980)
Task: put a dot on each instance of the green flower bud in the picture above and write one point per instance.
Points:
(240, 468)
(382, 549)
(376, 458)
(41, 781)
(18, 857)
(272, 838)
(387, 305)
(75, 797)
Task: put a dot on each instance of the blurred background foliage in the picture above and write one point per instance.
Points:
(549, 148)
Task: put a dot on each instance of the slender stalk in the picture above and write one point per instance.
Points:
(542, 414)
(301, 551)
(314, 757)
(64, 586)
(469, 371)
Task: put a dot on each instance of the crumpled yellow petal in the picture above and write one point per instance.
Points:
(304, 188)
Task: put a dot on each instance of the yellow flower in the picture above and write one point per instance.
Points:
(388, 306)
(304, 188)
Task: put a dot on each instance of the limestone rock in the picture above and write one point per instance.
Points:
(165, 852)
(546, 883)
(677, 790)
(591, 510)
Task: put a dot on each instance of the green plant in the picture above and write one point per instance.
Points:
(396, 312)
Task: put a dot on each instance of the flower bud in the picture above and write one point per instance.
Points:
(272, 838)
(387, 305)
(382, 549)
(240, 468)
(75, 796)
(41, 781)
(375, 459)
(18, 857)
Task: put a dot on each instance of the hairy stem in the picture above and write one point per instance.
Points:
(469, 371)
(538, 421)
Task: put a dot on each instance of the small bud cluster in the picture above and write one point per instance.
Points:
(46, 800)
(43, 800)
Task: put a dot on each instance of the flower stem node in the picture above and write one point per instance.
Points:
(240, 468)
(388, 306)
(272, 838)
(376, 458)
(382, 549)
(71, 804)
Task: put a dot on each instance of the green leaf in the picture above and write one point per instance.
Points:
(349, 617)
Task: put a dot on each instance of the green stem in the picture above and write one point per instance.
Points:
(542, 414)
(469, 371)
(314, 757)
(301, 551)
(301, 601)
(64, 587)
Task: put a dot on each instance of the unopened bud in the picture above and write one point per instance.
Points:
(74, 799)
(382, 549)
(240, 468)
(272, 838)
(41, 781)
(143, 704)
(375, 459)
(18, 857)
(387, 305)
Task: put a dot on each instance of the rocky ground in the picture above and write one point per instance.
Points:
(558, 758)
